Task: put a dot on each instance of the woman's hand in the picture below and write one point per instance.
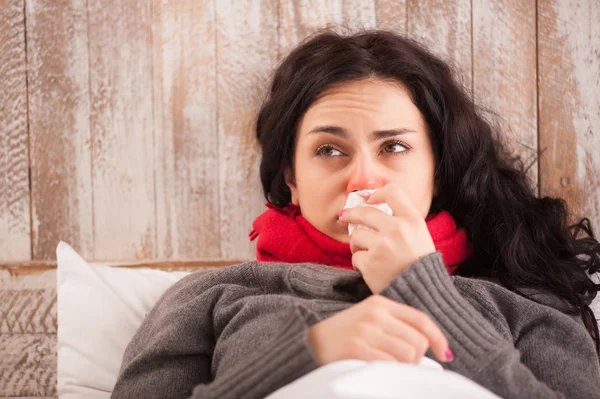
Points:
(397, 241)
(377, 328)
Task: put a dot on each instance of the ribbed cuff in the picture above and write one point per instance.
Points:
(284, 360)
(427, 286)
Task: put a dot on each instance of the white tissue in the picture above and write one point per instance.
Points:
(359, 198)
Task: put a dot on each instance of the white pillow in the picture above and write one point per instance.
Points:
(99, 309)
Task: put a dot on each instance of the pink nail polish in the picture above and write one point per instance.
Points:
(449, 355)
(341, 213)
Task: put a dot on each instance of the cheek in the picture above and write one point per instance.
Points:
(309, 184)
(420, 186)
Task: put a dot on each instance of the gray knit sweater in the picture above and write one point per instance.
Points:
(241, 332)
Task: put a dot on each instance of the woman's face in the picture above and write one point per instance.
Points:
(357, 136)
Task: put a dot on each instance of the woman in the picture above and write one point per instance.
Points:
(503, 299)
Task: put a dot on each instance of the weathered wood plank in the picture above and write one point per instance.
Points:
(123, 159)
(301, 18)
(246, 55)
(33, 268)
(445, 27)
(28, 303)
(15, 218)
(27, 365)
(61, 186)
(187, 169)
(391, 15)
(504, 71)
(569, 103)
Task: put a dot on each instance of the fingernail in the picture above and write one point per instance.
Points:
(341, 213)
(449, 355)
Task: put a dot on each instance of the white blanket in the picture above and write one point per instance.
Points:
(354, 379)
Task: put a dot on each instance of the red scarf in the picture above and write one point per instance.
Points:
(284, 235)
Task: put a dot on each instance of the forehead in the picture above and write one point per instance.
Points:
(374, 92)
(382, 102)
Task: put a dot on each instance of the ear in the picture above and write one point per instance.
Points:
(290, 181)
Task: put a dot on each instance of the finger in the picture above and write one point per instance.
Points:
(397, 199)
(422, 323)
(368, 216)
(400, 349)
(369, 353)
(398, 329)
(359, 260)
(362, 240)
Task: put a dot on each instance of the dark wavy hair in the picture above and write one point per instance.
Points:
(519, 240)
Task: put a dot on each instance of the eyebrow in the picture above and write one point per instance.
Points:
(376, 135)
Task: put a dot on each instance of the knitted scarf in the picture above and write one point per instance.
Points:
(284, 235)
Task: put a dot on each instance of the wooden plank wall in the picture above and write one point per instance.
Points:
(28, 325)
(15, 232)
(569, 102)
(126, 127)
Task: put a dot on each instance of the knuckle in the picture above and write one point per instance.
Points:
(361, 331)
(423, 320)
(376, 315)
(434, 333)
(421, 345)
(409, 354)
(386, 244)
(354, 347)
(414, 220)
(376, 301)
(401, 307)
(398, 228)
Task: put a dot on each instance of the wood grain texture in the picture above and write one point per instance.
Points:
(569, 103)
(301, 18)
(27, 268)
(141, 132)
(28, 303)
(187, 163)
(246, 55)
(123, 160)
(445, 27)
(59, 125)
(504, 72)
(16, 269)
(391, 15)
(27, 365)
(15, 217)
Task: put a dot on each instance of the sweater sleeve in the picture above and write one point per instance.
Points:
(550, 354)
(172, 355)
(284, 358)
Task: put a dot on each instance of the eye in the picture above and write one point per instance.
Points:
(396, 147)
(327, 150)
